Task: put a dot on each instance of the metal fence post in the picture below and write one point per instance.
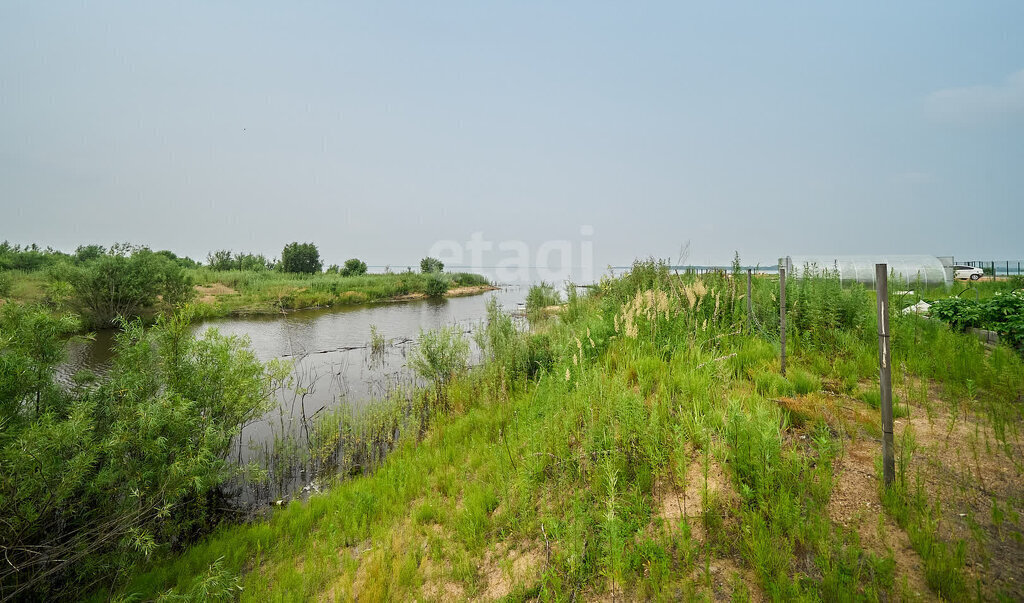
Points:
(782, 316)
(885, 370)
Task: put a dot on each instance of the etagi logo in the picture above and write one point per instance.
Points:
(512, 261)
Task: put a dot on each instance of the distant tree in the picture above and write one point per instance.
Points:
(85, 253)
(333, 269)
(301, 257)
(253, 261)
(353, 267)
(222, 259)
(428, 265)
(28, 258)
(184, 262)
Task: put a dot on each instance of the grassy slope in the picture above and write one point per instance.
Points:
(670, 461)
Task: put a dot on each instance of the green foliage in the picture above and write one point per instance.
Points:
(821, 309)
(184, 262)
(86, 253)
(540, 354)
(428, 265)
(440, 356)
(773, 384)
(301, 258)
(957, 312)
(354, 267)
(224, 259)
(6, 283)
(102, 475)
(804, 382)
(1003, 313)
(28, 258)
(437, 285)
(121, 285)
(32, 343)
(539, 297)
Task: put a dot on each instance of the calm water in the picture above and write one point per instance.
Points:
(333, 369)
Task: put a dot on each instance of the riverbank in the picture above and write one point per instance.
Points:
(646, 446)
(242, 293)
(239, 293)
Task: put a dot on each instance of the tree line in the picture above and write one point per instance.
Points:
(102, 284)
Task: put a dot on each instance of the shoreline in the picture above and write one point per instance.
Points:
(347, 298)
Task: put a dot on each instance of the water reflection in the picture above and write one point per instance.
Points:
(336, 376)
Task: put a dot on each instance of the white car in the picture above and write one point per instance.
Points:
(967, 272)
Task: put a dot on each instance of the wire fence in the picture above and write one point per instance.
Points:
(996, 267)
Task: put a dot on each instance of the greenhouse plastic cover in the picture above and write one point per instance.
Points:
(927, 269)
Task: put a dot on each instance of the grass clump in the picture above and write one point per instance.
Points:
(773, 384)
(539, 298)
(804, 382)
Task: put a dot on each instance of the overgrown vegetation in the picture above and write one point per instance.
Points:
(644, 445)
(539, 298)
(125, 280)
(100, 474)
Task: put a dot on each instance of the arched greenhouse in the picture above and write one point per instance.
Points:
(926, 269)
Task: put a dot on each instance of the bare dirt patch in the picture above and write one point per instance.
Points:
(470, 290)
(453, 292)
(674, 503)
(503, 568)
(727, 580)
(438, 585)
(855, 504)
(208, 294)
(978, 483)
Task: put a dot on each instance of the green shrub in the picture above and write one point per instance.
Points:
(1003, 313)
(354, 267)
(102, 475)
(429, 265)
(437, 285)
(957, 312)
(539, 297)
(301, 258)
(440, 356)
(121, 285)
(5, 283)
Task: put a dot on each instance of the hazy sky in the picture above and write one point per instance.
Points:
(377, 129)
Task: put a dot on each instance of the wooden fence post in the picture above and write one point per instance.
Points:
(885, 370)
(782, 316)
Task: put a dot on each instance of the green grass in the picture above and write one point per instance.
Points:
(265, 292)
(271, 291)
(575, 463)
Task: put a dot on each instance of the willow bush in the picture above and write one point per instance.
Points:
(95, 476)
